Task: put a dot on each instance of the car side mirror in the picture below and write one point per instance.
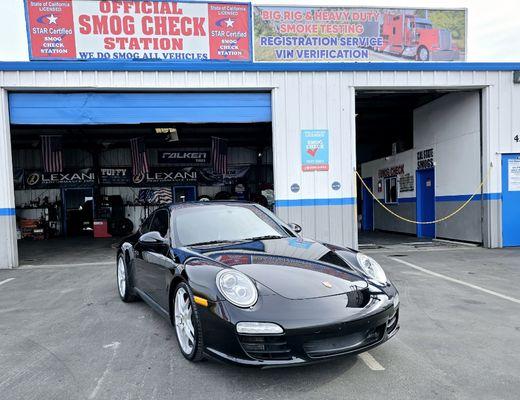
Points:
(295, 227)
(152, 237)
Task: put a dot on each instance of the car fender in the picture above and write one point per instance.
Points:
(201, 276)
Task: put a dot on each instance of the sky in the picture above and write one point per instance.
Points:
(493, 26)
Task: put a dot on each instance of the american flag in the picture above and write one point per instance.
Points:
(219, 155)
(52, 153)
(155, 196)
(139, 159)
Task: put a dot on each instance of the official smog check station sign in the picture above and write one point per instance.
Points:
(315, 149)
(138, 30)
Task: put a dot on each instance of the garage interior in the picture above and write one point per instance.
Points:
(98, 198)
(419, 152)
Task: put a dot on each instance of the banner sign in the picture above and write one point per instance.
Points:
(320, 34)
(391, 171)
(122, 176)
(116, 176)
(425, 159)
(233, 175)
(71, 178)
(138, 30)
(183, 157)
(315, 150)
(165, 177)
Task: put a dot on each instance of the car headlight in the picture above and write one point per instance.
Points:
(237, 288)
(371, 268)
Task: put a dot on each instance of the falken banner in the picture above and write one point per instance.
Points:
(138, 30)
(340, 34)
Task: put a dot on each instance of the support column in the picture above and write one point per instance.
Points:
(8, 244)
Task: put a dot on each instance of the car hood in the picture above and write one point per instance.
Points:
(292, 267)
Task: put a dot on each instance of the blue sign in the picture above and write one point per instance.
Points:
(295, 188)
(315, 150)
(336, 185)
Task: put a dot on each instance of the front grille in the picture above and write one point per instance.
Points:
(358, 298)
(331, 344)
(444, 39)
(392, 322)
(265, 347)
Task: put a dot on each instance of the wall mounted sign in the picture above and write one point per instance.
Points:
(391, 171)
(183, 157)
(315, 149)
(165, 177)
(513, 175)
(406, 183)
(295, 188)
(336, 185)
(70, 178)
(342, 34)
(116, 176)
(207, 176)
(138, 30)
(425, 159)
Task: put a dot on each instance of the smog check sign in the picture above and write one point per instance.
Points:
(315, 149)
(137, 30)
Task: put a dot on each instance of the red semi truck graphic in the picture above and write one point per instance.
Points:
(407, 35)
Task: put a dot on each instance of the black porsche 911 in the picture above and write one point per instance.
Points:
(241, 286)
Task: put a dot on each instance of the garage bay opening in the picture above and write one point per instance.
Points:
(92, 168)
(419, 156)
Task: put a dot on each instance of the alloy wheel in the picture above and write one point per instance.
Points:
(183, 321)
(121, 277)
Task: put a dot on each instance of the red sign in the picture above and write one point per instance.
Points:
(51, 30)
(138, 30)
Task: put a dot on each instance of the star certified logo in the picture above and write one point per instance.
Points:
(229, 22)
(52, 19)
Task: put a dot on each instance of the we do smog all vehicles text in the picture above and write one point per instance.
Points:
(76, 29)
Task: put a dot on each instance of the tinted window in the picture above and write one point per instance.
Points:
(160, 222)
(222, 223)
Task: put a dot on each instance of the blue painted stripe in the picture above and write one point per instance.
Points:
(352, 200)
(134, 108)
(251, 66)
(316, 202)
(407, 200)
(7, 211)
(465, 197)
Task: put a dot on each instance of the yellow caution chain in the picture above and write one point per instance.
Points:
(477, 191)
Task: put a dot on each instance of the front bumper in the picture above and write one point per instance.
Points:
(445, 55)
(302, 343)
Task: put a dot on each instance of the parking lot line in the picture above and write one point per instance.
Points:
(6, 280)
(371, 362)
(89, 264)
(448, 278)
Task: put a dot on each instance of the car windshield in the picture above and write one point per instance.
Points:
(223, 223)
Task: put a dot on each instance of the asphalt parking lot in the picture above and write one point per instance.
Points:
(64, 334)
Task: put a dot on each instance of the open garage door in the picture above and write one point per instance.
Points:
(90, 167)
(422, 152)
(138, 108)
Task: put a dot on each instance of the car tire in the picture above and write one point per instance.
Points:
(124, 288)
(186, 321)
